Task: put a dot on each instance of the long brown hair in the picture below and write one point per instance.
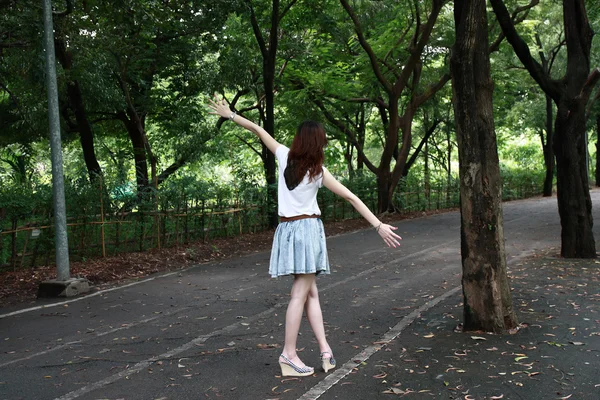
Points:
(306, 153)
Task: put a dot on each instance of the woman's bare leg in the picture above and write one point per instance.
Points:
(293, 317)
(315, 317)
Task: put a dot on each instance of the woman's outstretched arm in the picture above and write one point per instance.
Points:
(221, 108)
(384, 230)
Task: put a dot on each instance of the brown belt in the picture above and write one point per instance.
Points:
(297, 217)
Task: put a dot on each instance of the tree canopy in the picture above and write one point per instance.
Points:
(134, 78)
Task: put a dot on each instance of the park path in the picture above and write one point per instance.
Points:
(214, 330)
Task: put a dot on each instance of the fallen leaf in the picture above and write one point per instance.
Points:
(393, 391)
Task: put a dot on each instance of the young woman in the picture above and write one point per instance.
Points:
(299, 245)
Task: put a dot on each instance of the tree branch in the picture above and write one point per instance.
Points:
(400, 40)
(11, 96)
(349, 134)
(522, 50)
(257, 33)
(273, 36)
(170, 170)
(286, 9)
(589, 85)
(67, 11)
(431, 90)
(15, 44)
(415, 55)
(538, 40)
(184, 159)
(249, 145)
(368, 49)
(232, 104)
(554, 52)
(425, 138)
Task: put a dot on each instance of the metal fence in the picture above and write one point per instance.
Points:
(27, 243)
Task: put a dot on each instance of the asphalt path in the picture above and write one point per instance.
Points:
(215, 330)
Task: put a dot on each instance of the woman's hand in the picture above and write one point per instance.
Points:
(388, 236)
(220, 107)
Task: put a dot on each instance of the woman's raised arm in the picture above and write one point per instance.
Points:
(221, 108)
(384, 230)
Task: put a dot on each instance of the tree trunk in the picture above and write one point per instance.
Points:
(598, 151)
(139, 154)
(268, 49)
(84, 127)
(86, 135)
(384, 175)
(361, 140)
(487, 298)
(547, 147)
(348, 155)
(571, 94)
(402, 155)
(572, 186)
(394, 90)
(384, 201)
(269, 158)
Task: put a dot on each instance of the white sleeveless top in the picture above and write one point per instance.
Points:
(301, 200)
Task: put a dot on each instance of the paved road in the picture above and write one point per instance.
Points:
(214, 330)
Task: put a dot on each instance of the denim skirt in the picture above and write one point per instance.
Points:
(299, 248)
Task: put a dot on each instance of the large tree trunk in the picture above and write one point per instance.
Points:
(547, 147)
(572, 189)
(574, 202)
(571, 94)
(487, 298)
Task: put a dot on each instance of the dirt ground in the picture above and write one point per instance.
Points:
(17, 287)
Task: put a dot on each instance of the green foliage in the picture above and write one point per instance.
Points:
(519, 183)
(170, 56)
